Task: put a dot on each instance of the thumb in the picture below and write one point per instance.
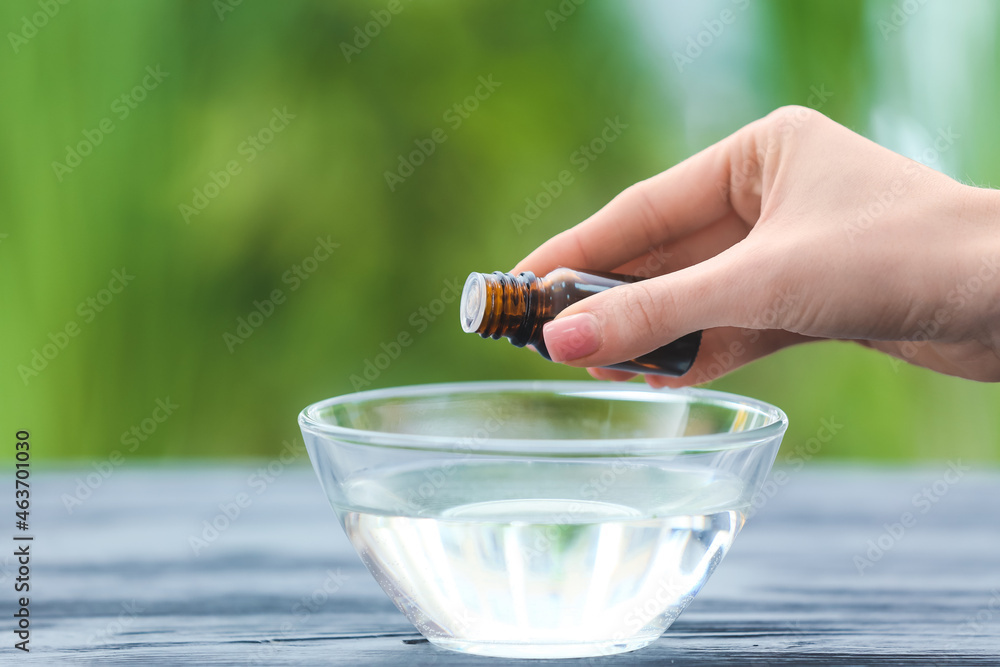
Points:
(628, 321)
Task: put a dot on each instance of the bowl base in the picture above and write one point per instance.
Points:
(543, 651)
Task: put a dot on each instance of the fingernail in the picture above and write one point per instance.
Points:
(572, 337)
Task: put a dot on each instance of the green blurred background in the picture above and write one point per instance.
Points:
(348, 106)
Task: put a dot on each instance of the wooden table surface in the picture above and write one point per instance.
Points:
(118, 579)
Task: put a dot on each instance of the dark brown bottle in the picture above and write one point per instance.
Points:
(502, 304)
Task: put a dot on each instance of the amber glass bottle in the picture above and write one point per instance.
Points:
(502, 304)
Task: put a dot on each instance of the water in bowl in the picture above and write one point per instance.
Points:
(543, 559)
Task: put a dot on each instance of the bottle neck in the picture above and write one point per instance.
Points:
(501, 304)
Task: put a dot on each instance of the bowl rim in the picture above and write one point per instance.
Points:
(310, 421)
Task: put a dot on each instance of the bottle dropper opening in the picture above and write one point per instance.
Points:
(473, 305)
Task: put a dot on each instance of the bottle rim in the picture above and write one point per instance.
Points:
(473, 302)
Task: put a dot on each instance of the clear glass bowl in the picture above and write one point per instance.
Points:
(541, 519)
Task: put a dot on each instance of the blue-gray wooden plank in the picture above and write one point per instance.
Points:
(116, 579)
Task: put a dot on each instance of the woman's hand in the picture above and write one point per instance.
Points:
(791, 230)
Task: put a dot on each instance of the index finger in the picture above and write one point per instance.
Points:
(661, 209)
